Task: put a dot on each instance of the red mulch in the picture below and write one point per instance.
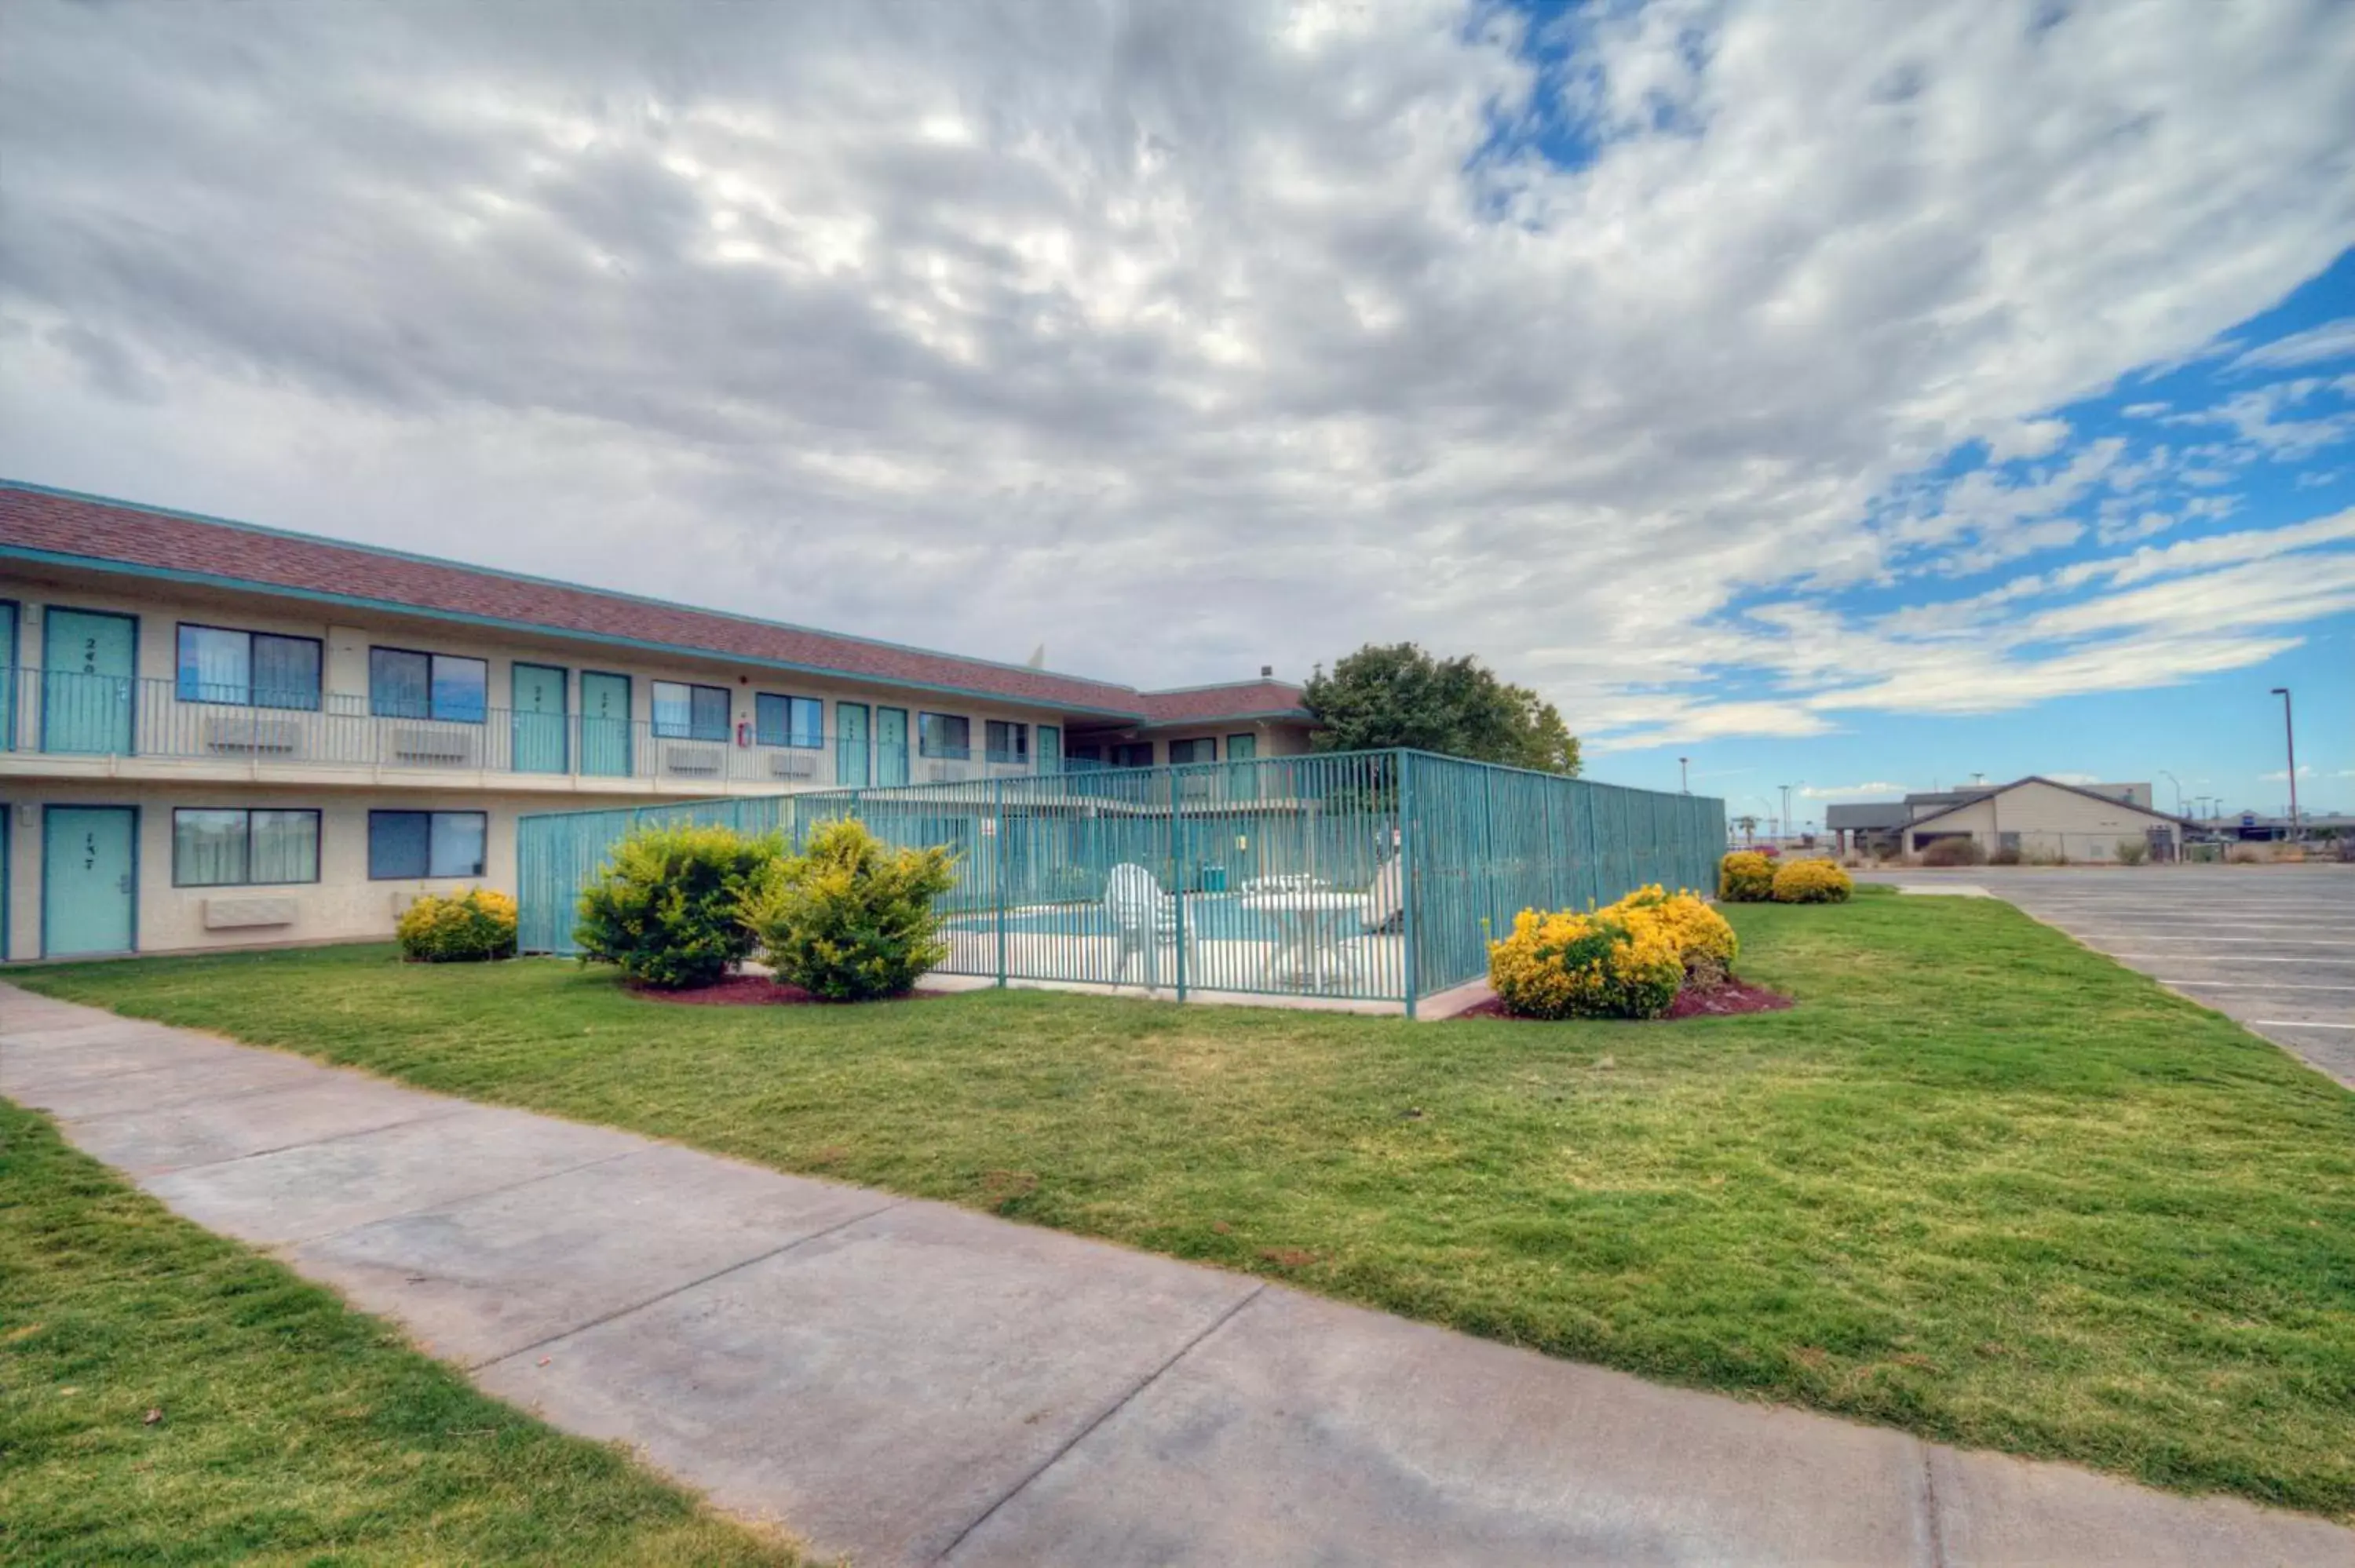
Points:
(758, 990)
(1721, 1001)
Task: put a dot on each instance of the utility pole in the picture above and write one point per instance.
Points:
(2289, 733)
(1787, 805)
(1684, 781)
(2171, 778)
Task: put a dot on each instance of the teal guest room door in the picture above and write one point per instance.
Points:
(604, 725)
(89, 880)
(88, 659)
(540, 726)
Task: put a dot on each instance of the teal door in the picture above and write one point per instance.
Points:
(10, 681)
(89, 880)
(1050, 749)
(88, 659)
(1243, 783)
(539, 716)
(850, 744)
(890, 746)
(604, 725)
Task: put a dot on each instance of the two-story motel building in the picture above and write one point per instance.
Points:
(214, 733)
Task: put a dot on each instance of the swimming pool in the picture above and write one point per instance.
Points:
(1209, 918)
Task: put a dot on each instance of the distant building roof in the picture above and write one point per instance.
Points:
(2094, 794)
(1866, 815)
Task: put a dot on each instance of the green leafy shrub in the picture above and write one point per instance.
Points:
(1960, 849)
(852, 919)
(1745, 876)
(668, 908)
(1812, 881)
(472, 926)
(2133, 851)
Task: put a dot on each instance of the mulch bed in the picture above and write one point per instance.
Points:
(1721, 1001)
(759, 991)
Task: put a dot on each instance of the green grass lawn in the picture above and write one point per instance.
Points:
(290, 1429)
(1981, 1184)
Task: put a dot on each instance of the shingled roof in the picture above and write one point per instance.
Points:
(40, 523)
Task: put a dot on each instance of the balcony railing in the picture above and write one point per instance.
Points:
(69, 714)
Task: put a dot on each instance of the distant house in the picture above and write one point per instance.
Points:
(2033, 815)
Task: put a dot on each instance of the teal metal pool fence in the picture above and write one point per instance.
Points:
(1371, 875)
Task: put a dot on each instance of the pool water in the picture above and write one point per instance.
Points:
(1209, 918)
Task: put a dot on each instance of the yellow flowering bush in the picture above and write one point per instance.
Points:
(852, 918)
(1705, 943)
(463, 927)
(1745, 876)
(1812, 881)
(1569, 965)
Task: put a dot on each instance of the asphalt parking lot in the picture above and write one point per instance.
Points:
(2273, 947)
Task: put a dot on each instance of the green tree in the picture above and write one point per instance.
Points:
(1398, 695)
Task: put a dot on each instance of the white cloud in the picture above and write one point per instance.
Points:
(2316, 346)
(1190, 337)
(1877, 789)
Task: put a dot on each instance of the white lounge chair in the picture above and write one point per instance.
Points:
(1145, 920)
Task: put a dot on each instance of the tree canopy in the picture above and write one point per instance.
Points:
(1398, 695)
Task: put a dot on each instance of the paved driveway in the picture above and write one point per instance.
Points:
(2273, 947)
(911, 1383)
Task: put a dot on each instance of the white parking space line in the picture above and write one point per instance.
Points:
(2257, 941)
(2296, 1023)
(2253, 985)
(2235, 958)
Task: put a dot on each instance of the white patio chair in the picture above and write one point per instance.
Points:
(1143, 921)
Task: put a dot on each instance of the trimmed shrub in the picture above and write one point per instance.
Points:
(1745, 876)
(2133, 851)
(852, 919)
(472, 926)
(1960, 849)
(668, 908)
(1569, 965)
(1812, 881)
(1705, 943)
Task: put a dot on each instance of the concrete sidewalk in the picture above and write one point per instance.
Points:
(907, 1383)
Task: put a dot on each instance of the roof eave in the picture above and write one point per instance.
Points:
(538, 628)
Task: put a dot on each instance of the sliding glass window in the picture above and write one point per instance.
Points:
(407, 684)
(683, 711)
(411, 844)
(943, 735)
(250, 669)
(1007, 742)
(788, 721)
(235, 847)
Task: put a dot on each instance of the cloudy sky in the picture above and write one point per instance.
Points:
(1858, 395)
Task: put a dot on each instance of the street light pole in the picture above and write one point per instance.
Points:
(2289, 733)
(1787, 805)
(1684, 781)
(2171, 778)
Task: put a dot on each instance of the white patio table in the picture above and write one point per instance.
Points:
(1310, 926)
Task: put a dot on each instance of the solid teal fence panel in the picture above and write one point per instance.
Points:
(1491, 842)
(1286, 877)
